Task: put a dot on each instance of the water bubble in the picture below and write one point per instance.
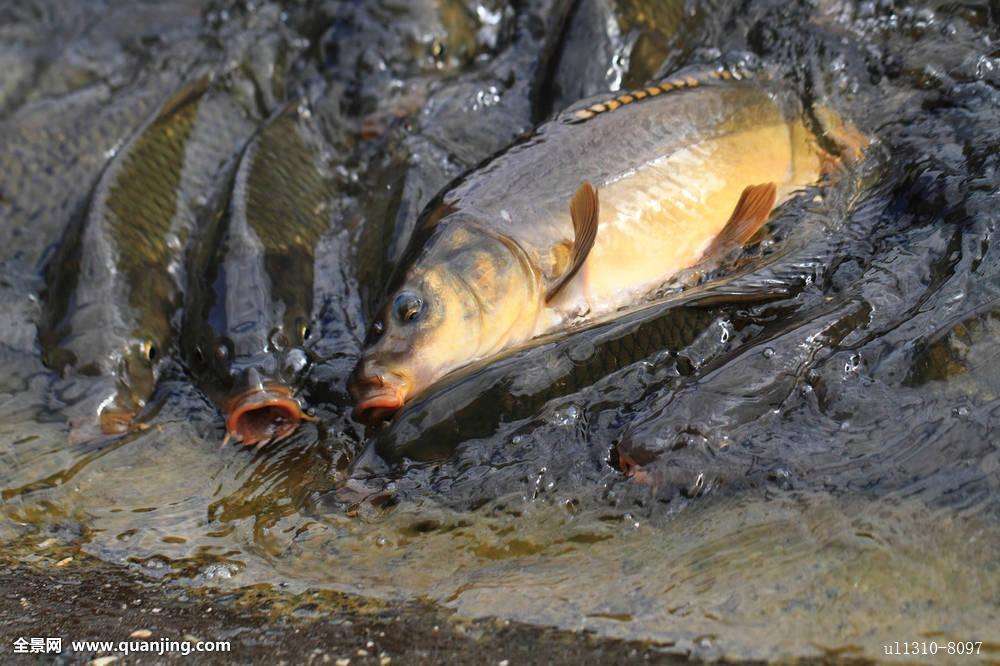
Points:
(852, 367)
(960, 412)
(566, 416)
(218, 571)
(768, 352)
(726, 333)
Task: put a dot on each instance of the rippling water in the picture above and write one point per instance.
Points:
(816, 426)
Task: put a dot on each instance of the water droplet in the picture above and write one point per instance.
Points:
(566, 416)
(727, 332)
(218, 571)
(852, 367)
(961, 411)
(768, 352)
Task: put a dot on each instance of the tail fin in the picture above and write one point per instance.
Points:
(838, 136)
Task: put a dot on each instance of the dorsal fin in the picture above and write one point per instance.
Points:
(689, 77)
(750, 214)
(584, 209)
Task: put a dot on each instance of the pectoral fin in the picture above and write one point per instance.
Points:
(750, 214)
(584, 209)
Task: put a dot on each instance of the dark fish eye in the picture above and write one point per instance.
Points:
(199, 355)
(304, 331)
(222, 352)
(148, 350)
(408, 307)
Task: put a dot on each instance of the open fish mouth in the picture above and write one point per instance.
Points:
(263, 415)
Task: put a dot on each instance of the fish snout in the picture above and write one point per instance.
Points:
(378, 393)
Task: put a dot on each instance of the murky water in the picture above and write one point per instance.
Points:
(817, 426)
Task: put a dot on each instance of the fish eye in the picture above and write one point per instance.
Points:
(222, 353)
(148, 350)
(408, 307)
(304, 331)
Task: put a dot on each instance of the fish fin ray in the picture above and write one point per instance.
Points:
(584, 209)
(751, 212)
(683, 79)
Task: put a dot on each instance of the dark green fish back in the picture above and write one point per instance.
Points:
(252, 275)
(288, 190)
(122, 280)
(142, 209)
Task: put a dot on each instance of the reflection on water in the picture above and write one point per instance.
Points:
(820, 471)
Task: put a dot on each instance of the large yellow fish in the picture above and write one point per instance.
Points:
(593, 212)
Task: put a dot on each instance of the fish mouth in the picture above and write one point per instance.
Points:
(263, 415)
(115, 421)
(377, 400)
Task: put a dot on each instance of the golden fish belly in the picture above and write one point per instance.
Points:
(660, 218)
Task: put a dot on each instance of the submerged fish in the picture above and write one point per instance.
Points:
(587, 216)
(250, 300)
(115, 284)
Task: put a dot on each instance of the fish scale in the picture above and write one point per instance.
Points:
(117, 281)
(250, 309)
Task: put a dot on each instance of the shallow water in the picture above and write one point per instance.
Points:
(818, 433)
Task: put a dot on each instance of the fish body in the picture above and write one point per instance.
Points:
(659, 173)
(117, 281)
(250, 306)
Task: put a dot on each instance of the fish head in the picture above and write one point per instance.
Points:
(135, 380)
(255, 388)
(465, 297)
(103, 397)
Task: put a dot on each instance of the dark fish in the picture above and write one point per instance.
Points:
(115, 285)
(250, 301)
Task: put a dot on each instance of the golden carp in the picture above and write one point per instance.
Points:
(588, 215)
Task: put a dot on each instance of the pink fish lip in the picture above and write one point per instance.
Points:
(263, 415)
(114, 421)
(377, 399)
